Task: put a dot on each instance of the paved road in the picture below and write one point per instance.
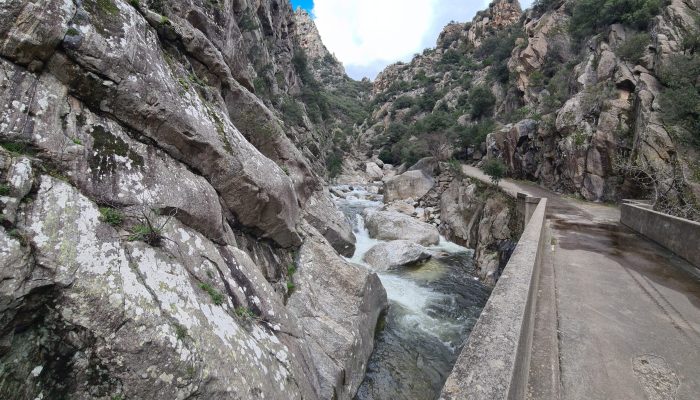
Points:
(618, 317)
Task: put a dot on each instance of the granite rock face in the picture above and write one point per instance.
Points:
(155, 207)
(391, 225)
(395, 254)
(409, 185)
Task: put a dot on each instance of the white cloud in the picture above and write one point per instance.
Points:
(367, 35)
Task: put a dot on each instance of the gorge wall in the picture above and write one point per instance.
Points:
(582, 98)
(165, 229)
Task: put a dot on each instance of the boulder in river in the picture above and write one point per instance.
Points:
(411, 184)
(395, 254)
(391, 225)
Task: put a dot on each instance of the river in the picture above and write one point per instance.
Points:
(432, 309)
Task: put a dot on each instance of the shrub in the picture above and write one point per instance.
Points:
(244, 312)
(291, 270)
(482, 101)
(216, 297)
(292, 112)
(146, 233)
(111, 216)
(589, 16)
(632, 49)
(680, 102)
(334, 164)
(402, 102)
(495, 169)
(4, 190)
(496, 49)
(475, 134)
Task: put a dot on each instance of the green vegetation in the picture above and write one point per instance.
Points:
(475, 134)
(111, 216)
(402, 102)
(216, 297)
(632, 49)
(146, 233)
(77, 141)
(482, 102)
(334, 164)
(107, 6)
(72, 32)
(247, 22)
(680, 101)
(134, 3)
(244, 313)
(496, 49)
(180, 332)
(291, 270)
(495, 169)
(18, 148)
(589, 17)
(4, 190)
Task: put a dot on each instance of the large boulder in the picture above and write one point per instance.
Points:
(330, 222)
(411, 184)
(338, 305)
(395, 254)
(81, 301)
(390, 225)
(374, 172)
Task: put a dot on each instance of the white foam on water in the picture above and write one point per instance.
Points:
(449, 247)
(406, 292)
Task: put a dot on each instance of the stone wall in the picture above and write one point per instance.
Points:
(494, 363)
(679, 235)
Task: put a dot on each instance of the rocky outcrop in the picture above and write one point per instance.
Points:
(331, 223)
(409, 185)
(325, 67)
(484, 219)
(155, 207)
(391, 225)
(338, 305)
(395, 254)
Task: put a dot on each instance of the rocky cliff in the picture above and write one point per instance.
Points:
(165, 233)
(586, 98)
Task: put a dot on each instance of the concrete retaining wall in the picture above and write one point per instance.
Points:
(494, 364)
(679, 235)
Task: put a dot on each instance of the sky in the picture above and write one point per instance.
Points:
(368, 35)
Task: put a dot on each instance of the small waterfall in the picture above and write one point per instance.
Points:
(432, 310)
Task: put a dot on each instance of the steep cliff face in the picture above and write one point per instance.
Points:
(581, 98)
(164, 234)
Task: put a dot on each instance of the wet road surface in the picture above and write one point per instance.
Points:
(618, 316)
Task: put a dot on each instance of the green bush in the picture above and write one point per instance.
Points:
(680, 101)
(334, 164)
(588, 17)
(146, 233)
(292, 112)
(4, 190)
(496, 49)
(632, 49)
(244, 313)
(495, 169)
(482, 102)
(111, 216)
(216, 296)
(402, 102)
(474, 135)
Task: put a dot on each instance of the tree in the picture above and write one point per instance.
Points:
(438, 145)
(495, 169)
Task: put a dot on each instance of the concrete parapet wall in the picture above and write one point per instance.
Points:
(679, 235)
(494, 363)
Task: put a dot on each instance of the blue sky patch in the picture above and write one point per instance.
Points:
(307, 5)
